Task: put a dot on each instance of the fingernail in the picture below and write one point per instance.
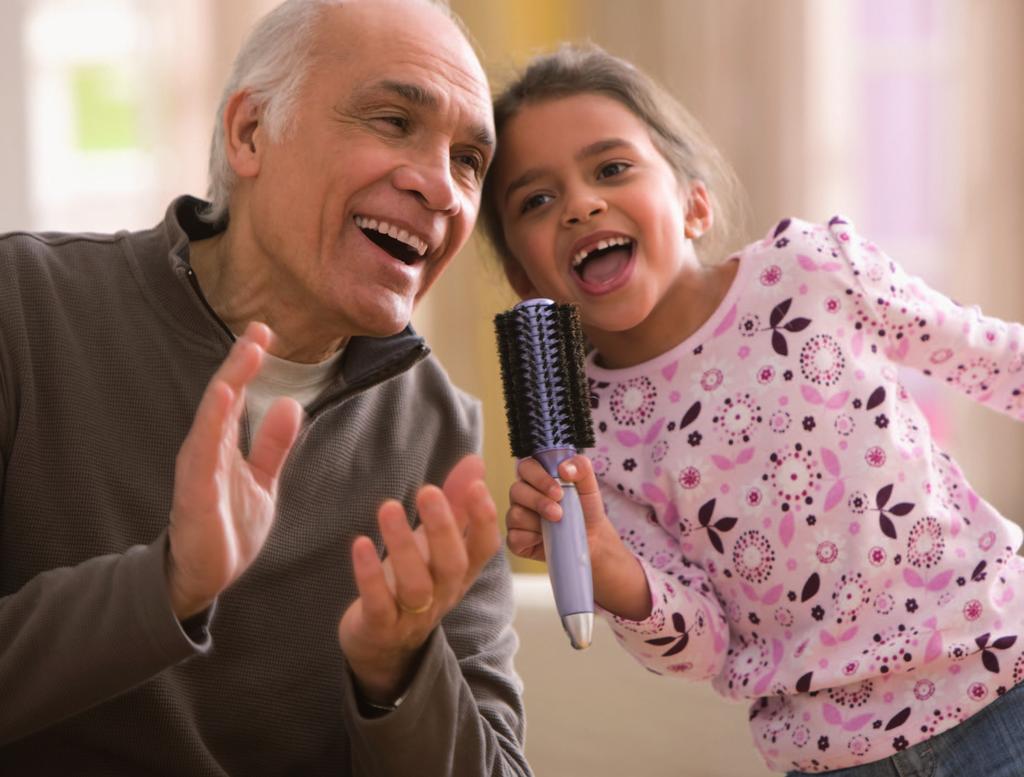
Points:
(570, 470)
(552, 510)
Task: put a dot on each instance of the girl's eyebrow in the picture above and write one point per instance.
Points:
(598, 147)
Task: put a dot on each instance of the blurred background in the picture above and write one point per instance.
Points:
(901, 114)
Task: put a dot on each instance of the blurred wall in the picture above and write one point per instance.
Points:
(14, 212)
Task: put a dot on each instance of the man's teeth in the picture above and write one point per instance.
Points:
(577, 260)
(416, 244)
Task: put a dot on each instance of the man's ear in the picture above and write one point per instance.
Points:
(518, 279)
(699, 215)
(243, 134)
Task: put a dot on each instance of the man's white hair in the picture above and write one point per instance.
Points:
(271, 66)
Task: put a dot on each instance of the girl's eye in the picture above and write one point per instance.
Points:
(534, 201)
(612, 169)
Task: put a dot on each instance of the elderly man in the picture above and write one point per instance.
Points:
(191, 577)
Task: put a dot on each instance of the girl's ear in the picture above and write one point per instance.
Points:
(518, 279)
(699, 216)
(242, 133)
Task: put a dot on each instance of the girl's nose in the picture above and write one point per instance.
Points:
(582, 209)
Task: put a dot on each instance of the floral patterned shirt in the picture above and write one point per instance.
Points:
(807, 545)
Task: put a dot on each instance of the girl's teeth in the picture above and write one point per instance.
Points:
(601, 245)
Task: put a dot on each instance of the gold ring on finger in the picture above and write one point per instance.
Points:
(415, 610)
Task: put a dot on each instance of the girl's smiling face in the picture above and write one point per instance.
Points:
(594, 213)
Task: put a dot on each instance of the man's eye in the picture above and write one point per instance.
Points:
(534, 201)
(612, 169)
(469, 161)
(398, 122)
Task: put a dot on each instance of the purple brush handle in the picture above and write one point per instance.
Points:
(565, 544)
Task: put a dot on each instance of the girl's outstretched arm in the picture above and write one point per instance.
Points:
(662, 609)
(917, 326)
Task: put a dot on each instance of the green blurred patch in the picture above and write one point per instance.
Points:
(106, 106)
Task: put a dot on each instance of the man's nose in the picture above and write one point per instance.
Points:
(430, 179)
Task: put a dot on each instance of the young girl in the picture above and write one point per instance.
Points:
(773, 514)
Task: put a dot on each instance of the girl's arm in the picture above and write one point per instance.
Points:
(978, 355)
(662, 609)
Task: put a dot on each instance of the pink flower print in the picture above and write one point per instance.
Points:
(844, 425)
(771, 275)
(884, 603)
(750, 325)
(661, 559)
(850, 668)
(753, 557)
(780, 421)
(941, 356)
(1015, 404)
(893, 649)
(875, 457)
(924, 690)
(858, 502)
(827, 552)
(975, 377)
(711, 376)
(632, 402)
(689, 477)
(852, 697)
(753, 496)
(973, 610)
(765, 375)
(850, 595)
(987, 540)
(711, 379)
(784, 617)
(977, 691)
(832, 305)
(822, 361)
(958, 651)
(801, 735)
(736, 418)
(876, 556)
(794, 474)
(925, 546)
(860, 745)
(875, 271)
(659, 450)
(907, 430)
(748, 660)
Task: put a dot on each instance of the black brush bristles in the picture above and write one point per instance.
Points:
(547, 397)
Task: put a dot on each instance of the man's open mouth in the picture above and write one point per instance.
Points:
(399, 243)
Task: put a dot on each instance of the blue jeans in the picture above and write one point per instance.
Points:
(988, 744)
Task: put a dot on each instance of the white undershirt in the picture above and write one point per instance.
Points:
(283, 378)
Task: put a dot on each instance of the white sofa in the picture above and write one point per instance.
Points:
(598, 713)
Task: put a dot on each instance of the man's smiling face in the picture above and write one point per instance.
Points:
(375, 184)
